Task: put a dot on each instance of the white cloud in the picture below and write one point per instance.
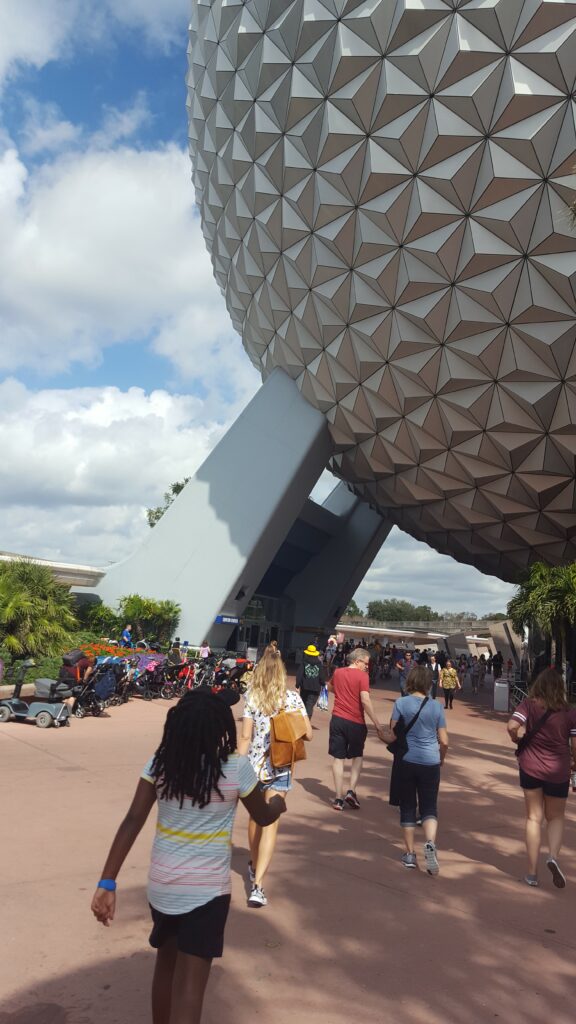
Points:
(34, 32)
(412, 571)
(163, 24)
(44, 129)
(120, 125)
(79, 466)
(103, 246)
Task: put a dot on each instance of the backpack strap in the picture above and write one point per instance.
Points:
(416, 716)
(529, 736)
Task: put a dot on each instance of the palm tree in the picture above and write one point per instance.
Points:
(546, 600)
(36, 612)
(151, 619)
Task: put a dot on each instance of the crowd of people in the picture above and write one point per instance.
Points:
(201, 770)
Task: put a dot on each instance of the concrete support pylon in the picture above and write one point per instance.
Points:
(322, 592)
(213, 545)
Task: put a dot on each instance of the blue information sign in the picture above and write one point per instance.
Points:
(226, 620)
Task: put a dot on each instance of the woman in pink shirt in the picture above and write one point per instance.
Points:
(544, 728)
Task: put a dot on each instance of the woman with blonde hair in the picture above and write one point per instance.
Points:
(266, 697)
(546, 753)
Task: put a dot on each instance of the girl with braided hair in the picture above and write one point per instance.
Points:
(195, 778)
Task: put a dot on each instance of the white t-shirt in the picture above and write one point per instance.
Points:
(259, 753)
(192, 848)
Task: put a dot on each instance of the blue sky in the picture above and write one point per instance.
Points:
(116, 350)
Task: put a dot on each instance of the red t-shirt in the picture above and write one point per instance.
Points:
(348, 684)
(547, 756)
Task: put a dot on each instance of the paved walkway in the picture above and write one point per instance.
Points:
(348, 935)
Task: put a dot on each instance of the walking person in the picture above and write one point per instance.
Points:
(310, 678)
(348, 730)
(449, 682)
(418, 769)
(462, 670)
(546, 754)
(435, 670)
(266, 697)
(404, 666)
(475, 675)
(196, 779)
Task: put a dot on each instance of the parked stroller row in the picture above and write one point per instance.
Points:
(87, 687)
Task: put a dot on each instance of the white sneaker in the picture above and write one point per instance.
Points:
(251, 873)
(558, 876)
(432, 866)
(257, 897)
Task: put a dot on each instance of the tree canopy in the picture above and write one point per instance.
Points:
(154, 515)
(151, 619)
(546, 598)
(353, 610)
(396, 610)
(36, 612)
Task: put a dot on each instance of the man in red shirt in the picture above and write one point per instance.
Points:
(348, 730)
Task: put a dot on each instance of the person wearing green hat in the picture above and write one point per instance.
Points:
(310, 678)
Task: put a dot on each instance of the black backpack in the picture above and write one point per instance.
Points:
(71, 658)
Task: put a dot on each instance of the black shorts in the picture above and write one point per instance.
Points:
(347, 738)
(559, 789)
(200, 932)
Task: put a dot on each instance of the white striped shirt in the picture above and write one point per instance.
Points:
(192, 848)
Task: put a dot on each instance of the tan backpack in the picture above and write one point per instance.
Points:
(287, 730)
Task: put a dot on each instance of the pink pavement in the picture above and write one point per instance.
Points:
(348, 935)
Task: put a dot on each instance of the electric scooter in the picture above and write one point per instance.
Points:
(45, 709)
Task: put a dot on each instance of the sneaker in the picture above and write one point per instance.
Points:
(432, 866)
(409, 860)
(251, 873)
(257, 897)
(531, 880)
(338, 804)
(352, 800)
(558, 877)
(419, 822)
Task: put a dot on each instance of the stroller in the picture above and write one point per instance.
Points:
(110, 681)
(86, 700)
(147, 676)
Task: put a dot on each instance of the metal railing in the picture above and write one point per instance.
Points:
(435, 626)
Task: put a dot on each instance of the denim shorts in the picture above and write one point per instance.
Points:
(281, 783)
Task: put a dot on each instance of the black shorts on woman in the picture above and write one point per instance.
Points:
(556, 789)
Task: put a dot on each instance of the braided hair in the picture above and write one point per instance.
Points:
(199, 736)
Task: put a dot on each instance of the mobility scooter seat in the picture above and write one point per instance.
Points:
(51, 690)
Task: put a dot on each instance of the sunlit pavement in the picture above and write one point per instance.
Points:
(348, 935)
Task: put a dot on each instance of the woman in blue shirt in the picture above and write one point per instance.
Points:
(419, 769)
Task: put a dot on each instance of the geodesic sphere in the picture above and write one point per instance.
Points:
(384, 189)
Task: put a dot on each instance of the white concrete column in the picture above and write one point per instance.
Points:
(214, 544)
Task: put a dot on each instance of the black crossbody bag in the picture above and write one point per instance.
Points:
(529, 736)
(399, 746)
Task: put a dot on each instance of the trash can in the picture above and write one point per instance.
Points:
(501, 695)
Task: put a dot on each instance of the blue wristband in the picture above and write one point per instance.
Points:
(107, 883)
